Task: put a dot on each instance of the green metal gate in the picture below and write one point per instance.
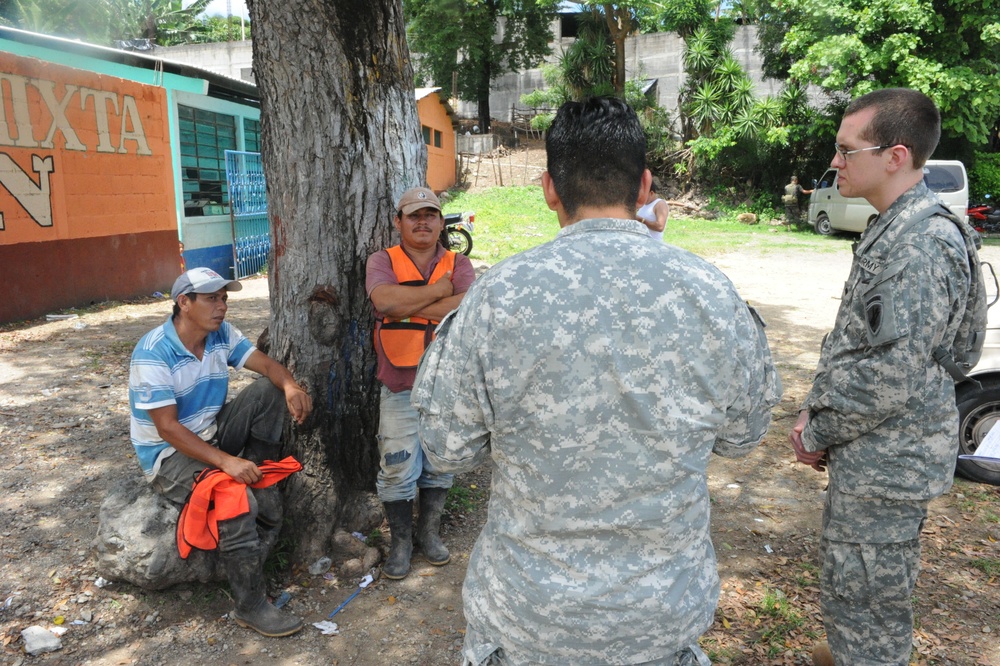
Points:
(248, 212)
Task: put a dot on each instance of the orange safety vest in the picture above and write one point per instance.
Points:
(216, 496)
(403, 341)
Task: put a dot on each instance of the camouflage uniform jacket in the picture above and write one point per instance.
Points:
(599, 371)
(880, 404)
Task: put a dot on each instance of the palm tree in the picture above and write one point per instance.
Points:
(163, 22)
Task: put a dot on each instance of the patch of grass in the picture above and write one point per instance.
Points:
(717, 654)
(279, 558)
(513, 219)
(988, 565)
(809, 575)
(122, 347)
(94, 359)
(778, 619)
(977, 500)
(375, 538)
(462, 500)
(508, 220)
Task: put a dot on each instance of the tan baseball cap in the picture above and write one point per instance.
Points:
(416, 198)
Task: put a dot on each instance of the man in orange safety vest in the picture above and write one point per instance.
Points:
(412, 286)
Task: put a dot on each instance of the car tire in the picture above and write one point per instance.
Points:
(823, 226)
(978, 412)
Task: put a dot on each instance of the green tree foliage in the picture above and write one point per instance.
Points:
(477, 40)
(63, 18)
(223, 29)
(623, 19)
(948, 49)
(587, 65)
(164, 22)
(984, 177)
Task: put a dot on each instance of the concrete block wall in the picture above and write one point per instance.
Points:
(654, 56)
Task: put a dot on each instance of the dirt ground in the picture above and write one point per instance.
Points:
(64, 439)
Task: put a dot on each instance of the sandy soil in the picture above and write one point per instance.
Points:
(64, 438)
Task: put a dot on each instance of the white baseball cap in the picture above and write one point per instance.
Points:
(201, 281)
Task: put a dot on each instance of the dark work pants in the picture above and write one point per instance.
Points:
(256, 413)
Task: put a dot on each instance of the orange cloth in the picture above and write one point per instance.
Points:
(217, 496)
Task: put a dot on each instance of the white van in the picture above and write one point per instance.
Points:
(830, 212)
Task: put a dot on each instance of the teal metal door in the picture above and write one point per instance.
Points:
(248, 212)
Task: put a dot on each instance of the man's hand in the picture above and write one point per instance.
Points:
(815, 459)
(447, 288)
(241, 470)
(299, 403)
(296, 399)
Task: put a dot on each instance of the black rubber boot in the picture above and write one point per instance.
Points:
(429, 525)
(400, 517)
(253, 610)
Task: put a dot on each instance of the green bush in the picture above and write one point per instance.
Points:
(984, 177)
(542, 122)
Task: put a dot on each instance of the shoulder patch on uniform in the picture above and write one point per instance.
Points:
(873, 313)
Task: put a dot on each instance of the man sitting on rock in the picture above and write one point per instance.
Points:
(181, 425)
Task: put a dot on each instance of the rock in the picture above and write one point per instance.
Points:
(355, 556)
(136, 540)
(39, 639)
(746, 218)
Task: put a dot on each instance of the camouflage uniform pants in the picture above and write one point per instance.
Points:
(793, 215)
(478, 652)
(865, 592)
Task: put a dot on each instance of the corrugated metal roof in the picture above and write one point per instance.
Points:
(219, 85)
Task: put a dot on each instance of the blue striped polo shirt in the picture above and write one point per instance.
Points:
(163, 372)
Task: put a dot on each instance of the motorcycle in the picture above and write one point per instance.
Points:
(457, 233)
(984, 217)
(978, 212)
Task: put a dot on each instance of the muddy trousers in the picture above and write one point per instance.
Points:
(865, 592)
(250, 425)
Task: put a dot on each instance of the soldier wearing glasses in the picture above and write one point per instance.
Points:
(881, 415)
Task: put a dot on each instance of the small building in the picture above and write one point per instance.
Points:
(439, 135)
(113, 167)
(235, 59)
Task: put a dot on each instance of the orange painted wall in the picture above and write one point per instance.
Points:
(86, 170)
(440, 161)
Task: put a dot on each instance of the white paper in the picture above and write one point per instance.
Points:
(989, 449)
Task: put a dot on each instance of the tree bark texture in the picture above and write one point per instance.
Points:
(340, 142)
(620, 25)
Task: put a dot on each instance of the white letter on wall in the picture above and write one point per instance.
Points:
(33, 198)
(130, 112)
(58, 110)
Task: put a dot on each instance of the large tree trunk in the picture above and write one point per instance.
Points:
(340, 142)
(620, 25)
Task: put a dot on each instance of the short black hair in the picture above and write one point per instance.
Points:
(596, 154)
(902, 117)
(177, 309)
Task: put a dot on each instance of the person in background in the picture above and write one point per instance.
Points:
(881, 415)
(181, 424)
(600, 373)
(654, 212)
(793, 214)
(411, 286)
